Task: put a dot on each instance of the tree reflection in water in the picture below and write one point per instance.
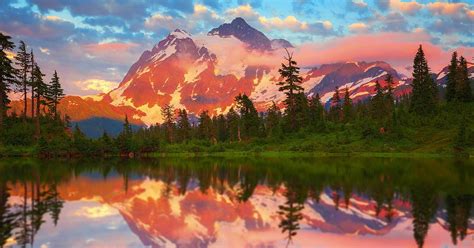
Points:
(431, 188)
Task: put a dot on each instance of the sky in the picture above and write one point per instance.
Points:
(92, 43)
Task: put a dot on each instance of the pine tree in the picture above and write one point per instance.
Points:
(40, 92)
(377, 103)
(335, 109)
(222, 129)
(272, 122)
(32, 82)
(291, 86)
(7, 74)
(463, 90)
(205, 126)
(23, 62)
(183, 125)
(347, 107)
(248, 115)
(167, 111)
(54, 94)
(452, 78)
(233, 123)
(316, 111)
(424, 89)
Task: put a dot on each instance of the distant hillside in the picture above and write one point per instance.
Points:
(95, 127)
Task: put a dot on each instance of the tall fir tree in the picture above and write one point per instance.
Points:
(167, 111)
(424, 89)
(23, 65)
(272, 122)
(291, 86)
(335, 109)
(32, 82)
(463, 85)
(233, 123)
(248, 115)
(183, 126)
(347, 107)
(205, 126)
(54, 94)
(316, 111)
(7, 74)
(452, 78)
(40, 91)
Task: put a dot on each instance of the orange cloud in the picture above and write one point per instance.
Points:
(406, 7)
(358, 27)
(97, 85)
(396, 48)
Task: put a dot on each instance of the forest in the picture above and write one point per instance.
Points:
(431, 120)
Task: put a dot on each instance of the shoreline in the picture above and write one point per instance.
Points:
(263, 154)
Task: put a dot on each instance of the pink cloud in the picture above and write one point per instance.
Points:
(397, 49)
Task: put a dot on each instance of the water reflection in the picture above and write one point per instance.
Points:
(237, 203)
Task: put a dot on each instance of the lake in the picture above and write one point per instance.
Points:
(219, 202)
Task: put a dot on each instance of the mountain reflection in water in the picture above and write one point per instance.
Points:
(215, 202)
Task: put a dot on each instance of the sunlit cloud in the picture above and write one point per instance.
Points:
(358, 27)
(97, 85)
(45, 51)
(406, 7)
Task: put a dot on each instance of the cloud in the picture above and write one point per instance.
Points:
(290, 22)
(396, 48)
(45, 51)
(245, 11)
(96, 85)
(406, 7)
(358, 27)
(458, 11)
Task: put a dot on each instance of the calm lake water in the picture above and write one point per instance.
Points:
(210, 202)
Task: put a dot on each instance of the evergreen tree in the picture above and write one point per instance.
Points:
(40, 91)
(347, 107)
(23, 63)
(205, 126)
(377, 103)
(272, 122)
(335, 109)
(7, 75)
(32, 82)
(316, 111)
(301, 110)
(424, 89)
(124, 139)
(54, 94)
(233, 123)
(248, 115)
(167, 111)
(463, 90)
(183, 125)
(291, 86)
(452, 78)
(221, 127)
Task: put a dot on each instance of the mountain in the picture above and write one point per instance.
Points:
(281, 43)
(95, 127)
(241, 30)
(206, 73)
